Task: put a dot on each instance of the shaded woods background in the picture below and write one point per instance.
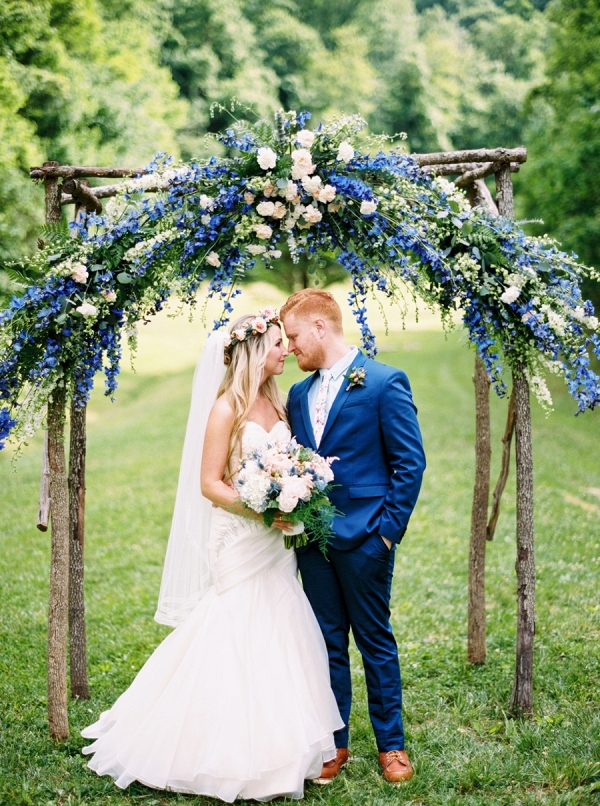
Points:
(110, 82)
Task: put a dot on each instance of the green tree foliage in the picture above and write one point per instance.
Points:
(80, 82)
(564, 133)
(114, 81)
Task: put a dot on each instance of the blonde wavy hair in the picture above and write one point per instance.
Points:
(242, 383)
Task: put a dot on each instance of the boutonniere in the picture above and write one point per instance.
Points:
(355, 377)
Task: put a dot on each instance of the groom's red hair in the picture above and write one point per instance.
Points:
(313, 302)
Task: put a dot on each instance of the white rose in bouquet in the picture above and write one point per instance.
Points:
(293, 489)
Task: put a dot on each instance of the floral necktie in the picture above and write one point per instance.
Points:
(321, 407)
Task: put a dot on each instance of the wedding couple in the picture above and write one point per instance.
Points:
(251, 694)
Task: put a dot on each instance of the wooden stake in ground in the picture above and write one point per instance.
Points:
(59, 512)
(522, 696)
(59, 571)
(476, 640)
(77, 638)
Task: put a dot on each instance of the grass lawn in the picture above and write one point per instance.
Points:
(464, 748)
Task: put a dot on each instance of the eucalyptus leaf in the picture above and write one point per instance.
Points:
(61, 318)
(443, 214)
(457, 222)
(124, 278)
(96, 267)
(454, 205)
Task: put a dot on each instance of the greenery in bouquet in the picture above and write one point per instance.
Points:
(327, 192)
(294, 481)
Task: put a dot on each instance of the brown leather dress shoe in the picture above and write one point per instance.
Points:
(331, 768)
(396, 766)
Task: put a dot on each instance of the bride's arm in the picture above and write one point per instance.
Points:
(214, 459)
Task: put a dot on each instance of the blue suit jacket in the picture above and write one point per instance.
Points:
(373, 429)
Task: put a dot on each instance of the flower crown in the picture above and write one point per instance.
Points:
(255, 327)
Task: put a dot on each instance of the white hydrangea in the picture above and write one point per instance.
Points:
(255, 487)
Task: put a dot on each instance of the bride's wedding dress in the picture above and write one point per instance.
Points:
(235, 702)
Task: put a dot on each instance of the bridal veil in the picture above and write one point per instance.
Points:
(186, 574)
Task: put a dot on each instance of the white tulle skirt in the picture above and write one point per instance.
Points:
(235, 702)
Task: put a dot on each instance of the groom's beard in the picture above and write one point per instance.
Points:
(312, 357)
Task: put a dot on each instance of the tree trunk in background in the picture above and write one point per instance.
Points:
(476, 643)
(77, 641)
(521, 701)
(59, 571)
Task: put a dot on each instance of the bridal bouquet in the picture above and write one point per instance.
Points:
(292, 479)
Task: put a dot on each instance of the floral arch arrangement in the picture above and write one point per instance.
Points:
(387, 222)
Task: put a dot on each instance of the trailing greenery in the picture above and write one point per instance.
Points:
(466, 751)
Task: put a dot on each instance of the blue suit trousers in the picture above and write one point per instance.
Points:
(351, 590)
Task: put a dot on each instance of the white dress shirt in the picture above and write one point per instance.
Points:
(337, 378)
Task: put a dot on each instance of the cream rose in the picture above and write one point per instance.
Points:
(240, 335)
(109, 296)
(256, 248)
(326, 194)
(345, 152)
(306, 138)
(249, 197)
(263, 231)
(266, 158)
(368, 207)
(290, 191)
(87, 309)
(279, 210)
(303, 164)
(79, 273)
(259, 325)
(213, 259)
(265, 208)
(206, 202)
(311, 184)
(312, 215)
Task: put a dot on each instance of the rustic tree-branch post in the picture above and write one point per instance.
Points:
(522, 696)
(521, 701)
(476, 631)
(77, 636)
(476, 620)
(85, 202)
(59, 512)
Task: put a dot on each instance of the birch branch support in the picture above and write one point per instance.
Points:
(55, 171)
(59, 571)
(521, 701)
(502, 155)
(501, 483)
(81, 194)
(476, 636)
(44, 499)
(462, 167)
(77, 632)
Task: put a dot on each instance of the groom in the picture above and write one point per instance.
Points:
(362, 412)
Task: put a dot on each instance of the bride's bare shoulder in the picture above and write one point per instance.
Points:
(222, 411)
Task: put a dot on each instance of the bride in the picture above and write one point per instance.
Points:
(236, 701)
